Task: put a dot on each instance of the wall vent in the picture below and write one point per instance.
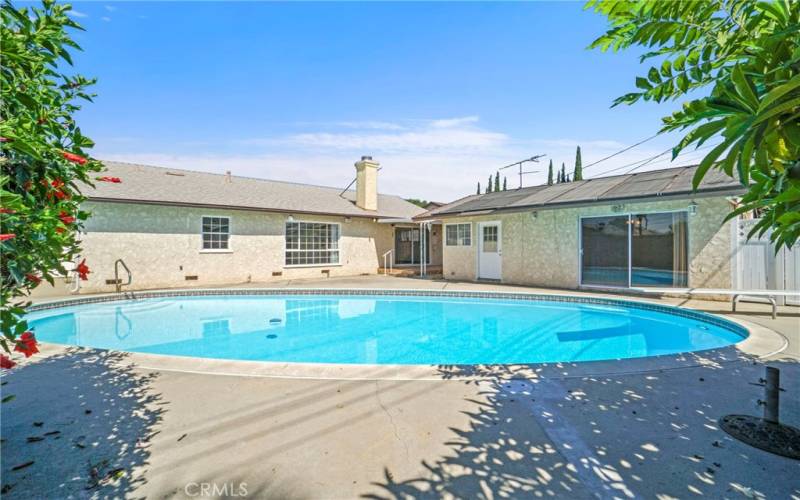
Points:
(113, 282)
(277, 273)
(326, 272)
(191, 277)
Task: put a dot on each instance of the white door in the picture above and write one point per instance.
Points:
(490, 250)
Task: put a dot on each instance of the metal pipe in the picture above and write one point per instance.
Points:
(772, 389)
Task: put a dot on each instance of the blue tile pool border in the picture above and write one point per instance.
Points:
(522, 296)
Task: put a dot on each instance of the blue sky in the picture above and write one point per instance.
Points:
(442, 94)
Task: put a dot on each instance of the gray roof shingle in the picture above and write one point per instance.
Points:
(666, 182)
(159, 185)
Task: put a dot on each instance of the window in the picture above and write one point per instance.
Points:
(311, 243)
(458, 235)
(216, 233)
(490, 239)
(635, 250)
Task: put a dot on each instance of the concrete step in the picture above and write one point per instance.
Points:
(410, 271)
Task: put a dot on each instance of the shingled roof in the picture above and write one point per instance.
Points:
(169, 186)
(674, 181)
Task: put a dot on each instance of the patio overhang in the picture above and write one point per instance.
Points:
(409, 221)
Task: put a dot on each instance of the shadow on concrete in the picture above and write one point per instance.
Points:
(649, 435)
(79, 425)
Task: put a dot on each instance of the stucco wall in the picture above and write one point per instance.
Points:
(544, 251)
(162, 245)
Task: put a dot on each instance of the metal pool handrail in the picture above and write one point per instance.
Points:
(117, 282)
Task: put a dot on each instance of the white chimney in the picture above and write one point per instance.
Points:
(367, 183)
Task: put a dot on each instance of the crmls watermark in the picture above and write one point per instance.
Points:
(215, 490)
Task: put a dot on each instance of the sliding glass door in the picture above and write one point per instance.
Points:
(407, 246)
(635, 250)
(605, 250)
(659, 249)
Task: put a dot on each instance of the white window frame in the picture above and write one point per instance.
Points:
(629, 214)
(458, 241)
(286, 241)
(230, 234)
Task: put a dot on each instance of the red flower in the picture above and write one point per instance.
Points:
(33, 278)
(83, 270)
(5, 362)
(58, 190)
(26, 344)
(60, 230)
(80, 160)
(66, 218)
(5, 139)
(7, 211)
(115, 180)
(4, 237)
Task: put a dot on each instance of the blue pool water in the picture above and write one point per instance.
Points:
(377, 329)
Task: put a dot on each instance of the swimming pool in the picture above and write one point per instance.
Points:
(381, 327)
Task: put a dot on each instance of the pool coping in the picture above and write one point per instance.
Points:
(761, 342)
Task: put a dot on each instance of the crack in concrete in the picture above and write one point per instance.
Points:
(391, 418)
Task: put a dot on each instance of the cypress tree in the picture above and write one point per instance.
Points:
(563, 172)
(489, 185)
(577, 175)
(479, 188)
(550, 174)
(505, 183)
(497, 181)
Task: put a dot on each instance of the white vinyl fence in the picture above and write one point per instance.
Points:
(758, 267)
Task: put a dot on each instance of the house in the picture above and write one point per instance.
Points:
(634, 230)
(175, 228)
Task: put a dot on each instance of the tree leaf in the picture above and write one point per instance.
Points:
(744, 88)
(779, 92)
(707, 162)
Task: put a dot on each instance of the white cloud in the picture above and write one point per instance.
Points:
(440, 177)
(106, 19)
(584, 144)
(370, 125)
(110, 8)
(440, 160)
(406, 141)
(454, 122)
(458, 134)
(76, 13)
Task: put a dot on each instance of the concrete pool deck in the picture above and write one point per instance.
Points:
(125, 429)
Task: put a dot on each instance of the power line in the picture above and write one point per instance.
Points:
(620, 151)
(644, 161)
(651, 160)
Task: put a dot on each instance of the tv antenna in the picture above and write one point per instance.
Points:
(534, 159)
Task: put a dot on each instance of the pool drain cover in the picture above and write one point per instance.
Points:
(775, 438)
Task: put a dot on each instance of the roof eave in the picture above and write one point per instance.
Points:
(541, 206)
(239, 208)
